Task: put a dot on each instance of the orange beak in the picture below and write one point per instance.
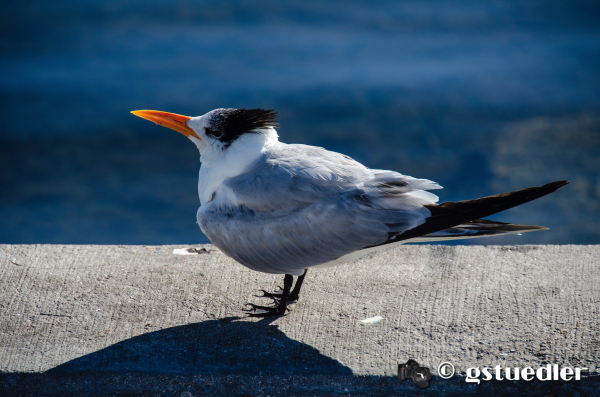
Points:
(173, 121)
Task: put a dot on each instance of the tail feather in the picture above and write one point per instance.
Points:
(447, 216)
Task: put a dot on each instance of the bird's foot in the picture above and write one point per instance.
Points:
(280, 298)
(276, 296)
(265, 311)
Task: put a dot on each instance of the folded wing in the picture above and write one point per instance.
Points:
(303, 206)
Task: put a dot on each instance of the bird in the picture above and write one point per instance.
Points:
(284, 208)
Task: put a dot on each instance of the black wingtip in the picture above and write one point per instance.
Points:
(556, 184)
(450, 214)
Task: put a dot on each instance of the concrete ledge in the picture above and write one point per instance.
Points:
(114, 320)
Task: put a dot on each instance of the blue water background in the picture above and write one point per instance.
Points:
(482, 97)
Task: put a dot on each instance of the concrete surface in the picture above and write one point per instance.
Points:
(139, 320)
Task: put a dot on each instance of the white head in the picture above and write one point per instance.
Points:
(229, 141)
(218, 131)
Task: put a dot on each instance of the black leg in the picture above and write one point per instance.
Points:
(287, 285)
(296, 291)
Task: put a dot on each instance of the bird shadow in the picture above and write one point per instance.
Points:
(209, 348)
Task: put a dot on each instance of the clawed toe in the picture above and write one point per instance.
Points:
(265, 311)
(273, 295)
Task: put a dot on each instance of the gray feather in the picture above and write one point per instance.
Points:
(303, 206)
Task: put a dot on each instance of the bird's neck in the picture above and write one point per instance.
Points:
(219, 165)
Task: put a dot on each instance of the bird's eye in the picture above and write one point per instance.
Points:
(211, 132)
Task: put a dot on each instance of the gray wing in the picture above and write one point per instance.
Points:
(304, 206)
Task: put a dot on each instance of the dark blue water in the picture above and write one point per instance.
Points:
(482, 98)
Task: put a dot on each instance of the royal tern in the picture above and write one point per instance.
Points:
(283, 208)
